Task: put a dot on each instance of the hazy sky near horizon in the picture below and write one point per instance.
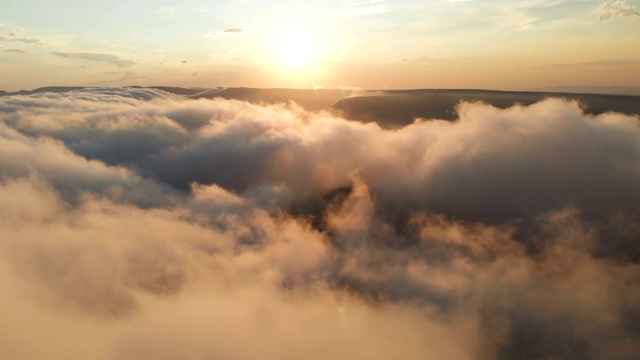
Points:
(494, 44)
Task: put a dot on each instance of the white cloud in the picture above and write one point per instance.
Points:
(618, 9)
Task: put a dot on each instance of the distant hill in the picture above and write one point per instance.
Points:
(612, 90)
(58, 89)
(396, 108)
(54, 89)
(178, 90)
(61, 89)
(309, 99)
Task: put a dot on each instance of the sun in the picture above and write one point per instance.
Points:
(296, 54)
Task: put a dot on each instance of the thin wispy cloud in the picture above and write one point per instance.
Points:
(21, 40)
(14, 51)
(226, 32)
(418, 59)
(98, 57)
(26, 41)
(359, 8)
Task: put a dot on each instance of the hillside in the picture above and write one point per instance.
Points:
(398, 108)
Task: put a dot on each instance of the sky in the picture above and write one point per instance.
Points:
(142, 224)
(374, 44)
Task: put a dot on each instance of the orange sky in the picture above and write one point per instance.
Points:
(371, 44)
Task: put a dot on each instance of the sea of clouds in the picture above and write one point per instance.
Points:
(136, 224)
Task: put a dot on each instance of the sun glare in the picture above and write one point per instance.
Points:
(296, 54)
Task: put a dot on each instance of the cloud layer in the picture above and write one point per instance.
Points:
(139, 225)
